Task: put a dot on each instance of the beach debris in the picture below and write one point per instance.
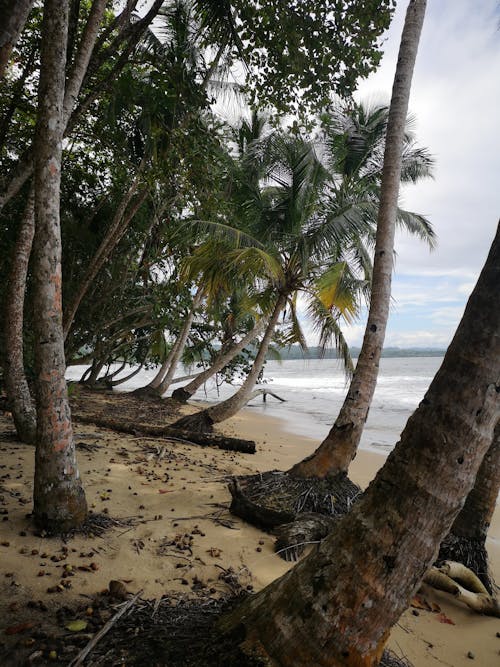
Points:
(20, 627)
(76, 626)
(458, 580)
(118, 590)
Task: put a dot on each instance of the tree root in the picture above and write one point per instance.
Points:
(307, 528)
(201, 422)
(464, 585)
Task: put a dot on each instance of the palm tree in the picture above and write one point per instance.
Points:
(335, 453)
(314, 218)
(336, 607)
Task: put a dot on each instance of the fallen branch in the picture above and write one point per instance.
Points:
(103, 631)
(257, 515)
(189, 437)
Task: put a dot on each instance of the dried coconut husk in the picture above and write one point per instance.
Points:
(281, 492)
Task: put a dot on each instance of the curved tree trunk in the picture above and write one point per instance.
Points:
(117, 229)
(151, 387)
(16, 386)
(339, 447)
(183, 394)
(179, 346)
(115, 383)
(14, 15)
(336, 607)
(474, 519)
(226, 409)
(59, 499)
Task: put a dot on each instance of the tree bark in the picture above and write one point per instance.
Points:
(14, 15)
(474, 518)
(16, 385)
(25, 167)
(338, 449)
(336, 607)
(59, 499)
(180, 344)
(226, 409)
(117, 229)
(183, 394)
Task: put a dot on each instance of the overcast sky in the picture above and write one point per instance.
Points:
(456, 100)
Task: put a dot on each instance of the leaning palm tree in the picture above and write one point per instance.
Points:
(335, 453)
(316, 218)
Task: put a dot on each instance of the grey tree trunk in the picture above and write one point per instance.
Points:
(180, 345)
(81, 62)
(14, 14)
(117, 229)
(183, 394)
(228, 408)
(16, 385)
(474, 519)
(59, 499)
(338, 449)
(336, 607)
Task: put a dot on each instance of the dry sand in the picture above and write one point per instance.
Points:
(173, 493)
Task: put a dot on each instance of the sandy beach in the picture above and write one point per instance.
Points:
(176, 536)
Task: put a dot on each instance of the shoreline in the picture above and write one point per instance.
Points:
(178, 494)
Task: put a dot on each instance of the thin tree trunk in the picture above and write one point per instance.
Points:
(117, 229)
(180, 344)
(339, 447)
(82, 59)
(474, 519)
(14, 15)
(24, 169)
(59, 499)
(336, 607)
(183, 394)
(16, 385)
(115, 383)
(228, 408)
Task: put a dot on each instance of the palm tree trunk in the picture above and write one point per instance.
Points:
(183, 394)
(59, 499)
(336, 606)
(16, 385)
(14, 16)
(180, 345)
(228, 408)
(339, 447)
(474, 518)
(117, 229)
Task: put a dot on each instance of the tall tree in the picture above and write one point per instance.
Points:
(336, 607)
(339, 447)
(59, 499)
(14, 14)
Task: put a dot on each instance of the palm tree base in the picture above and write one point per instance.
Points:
(201, 422)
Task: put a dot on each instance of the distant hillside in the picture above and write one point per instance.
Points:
(295, 352)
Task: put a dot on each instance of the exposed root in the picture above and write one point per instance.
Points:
(200, 422)
(471, 553)
(453, 578)
(308, 528)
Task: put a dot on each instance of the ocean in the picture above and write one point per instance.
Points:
(314, 391)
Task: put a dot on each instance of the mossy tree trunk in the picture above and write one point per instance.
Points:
(339, 447)
(59, 499)
(16, 385)
(336, 607)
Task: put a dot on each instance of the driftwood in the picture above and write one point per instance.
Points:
(191, 437)
(464, 585)
(264, 393)
(307, 528)
(257, 515)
